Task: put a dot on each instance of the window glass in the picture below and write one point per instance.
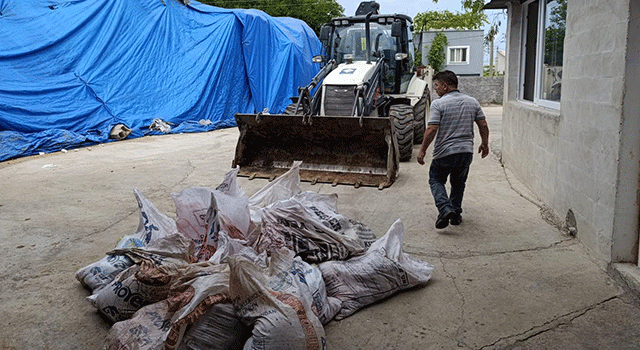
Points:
(352, 40)
(542, 51)
(530, 46)
(458, 55)
(408, 65)
(554, 31)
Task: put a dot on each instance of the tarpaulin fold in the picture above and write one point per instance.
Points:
(71, 70)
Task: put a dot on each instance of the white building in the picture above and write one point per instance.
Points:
(463, 54)
(501, 62)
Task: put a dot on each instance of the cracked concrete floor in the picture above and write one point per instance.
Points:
(504, 278)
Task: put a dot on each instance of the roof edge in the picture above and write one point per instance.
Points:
(496, 5)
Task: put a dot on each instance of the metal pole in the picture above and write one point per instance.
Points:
(368, 36)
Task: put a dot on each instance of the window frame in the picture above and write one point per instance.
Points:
(539, 56)
(458, 63)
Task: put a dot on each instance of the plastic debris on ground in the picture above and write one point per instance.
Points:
(237, 272)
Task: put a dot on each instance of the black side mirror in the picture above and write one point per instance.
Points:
(325, 32)
(396, 30)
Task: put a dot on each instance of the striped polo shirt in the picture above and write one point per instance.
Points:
(455, 113)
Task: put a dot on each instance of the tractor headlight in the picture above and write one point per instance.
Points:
(400, 56)
(317, 59)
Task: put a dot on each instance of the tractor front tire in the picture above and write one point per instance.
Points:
(402, 119)
(420, 116)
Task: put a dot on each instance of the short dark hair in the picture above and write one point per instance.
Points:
(448, 77)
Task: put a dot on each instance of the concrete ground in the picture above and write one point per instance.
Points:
(504, 279)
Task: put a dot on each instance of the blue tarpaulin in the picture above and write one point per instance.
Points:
(71, 70)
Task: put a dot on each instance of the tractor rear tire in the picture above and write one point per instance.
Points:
(402, 119)
(420, 111)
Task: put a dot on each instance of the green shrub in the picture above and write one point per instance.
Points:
(418, 56)
(436, 53)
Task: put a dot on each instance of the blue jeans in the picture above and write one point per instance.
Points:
(457, 167)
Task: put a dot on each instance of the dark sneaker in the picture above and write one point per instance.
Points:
(443, 220)
(456, 219)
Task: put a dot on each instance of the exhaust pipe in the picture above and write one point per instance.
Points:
(368, 36)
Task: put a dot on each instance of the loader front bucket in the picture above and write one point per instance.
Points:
(336, 150)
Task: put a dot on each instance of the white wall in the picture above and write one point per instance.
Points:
(501, 62)
(625, 229)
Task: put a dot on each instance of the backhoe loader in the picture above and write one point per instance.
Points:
(359, 116)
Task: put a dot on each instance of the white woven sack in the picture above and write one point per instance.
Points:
(192, 207)
(310, 228)
(229, 184)
(152, 226)
(384, 270)
(276, 303)
(162, 325)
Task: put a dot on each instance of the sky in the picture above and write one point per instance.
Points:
(407, 7)
(413, 7)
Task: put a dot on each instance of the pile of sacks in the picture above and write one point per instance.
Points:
(236, 272)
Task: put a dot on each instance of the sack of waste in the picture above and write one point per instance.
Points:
(229, 184)
(146, 282)
(306, 225)
(170, 252)
(152, 226)
(306, 222)
(239, 273)
(324, 306)
(218, 329)
(231, 214)
(284, 187)
(192, 205)
(276, 302)
(198, 290)
(132, 289)
(325, 207)
(384, 270)
(228, 247)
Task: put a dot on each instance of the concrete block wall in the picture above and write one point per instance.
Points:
(570, 157)
(487, 90)
(530, 146)
(627, 210)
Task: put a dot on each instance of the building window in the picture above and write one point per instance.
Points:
(458, 55)
(542, 51)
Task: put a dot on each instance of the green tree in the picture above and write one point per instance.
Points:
(418, 57)
(472, 18)
(488, 41)
(314, 12)
(436, 53)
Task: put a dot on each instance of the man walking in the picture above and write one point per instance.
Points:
(451, 125)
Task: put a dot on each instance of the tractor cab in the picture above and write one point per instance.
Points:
(345, 41)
